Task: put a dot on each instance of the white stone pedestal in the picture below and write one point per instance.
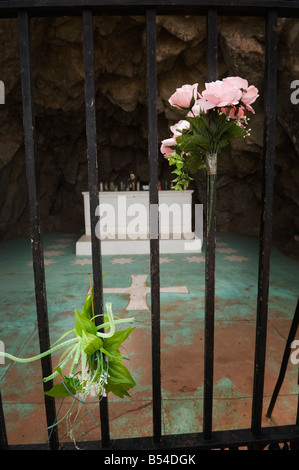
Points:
(124, 228)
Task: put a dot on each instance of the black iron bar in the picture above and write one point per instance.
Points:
(266, 216)
(212, 45)
(35, 222)
(154, 218)
(187, 443)
(91, 133)
(3, 435)
(212, 70)
(285, 359)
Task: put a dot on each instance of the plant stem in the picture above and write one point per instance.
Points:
(39, 356)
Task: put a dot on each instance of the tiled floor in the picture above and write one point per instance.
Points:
(182, 337)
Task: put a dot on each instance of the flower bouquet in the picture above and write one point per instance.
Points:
(94, 358)
(214, 118)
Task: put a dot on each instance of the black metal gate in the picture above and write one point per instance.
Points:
(256, 437)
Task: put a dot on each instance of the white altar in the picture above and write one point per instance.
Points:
(123, 223)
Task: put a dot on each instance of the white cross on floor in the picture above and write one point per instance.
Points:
(138, 291)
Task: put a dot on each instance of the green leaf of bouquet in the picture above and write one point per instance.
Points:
(235, 132)
(119, 379)
(59, 391)
(83, 323)
(195, 162)
(108, 353)
(87, 308)
(113, 343)
(177, 187)
(231, 130)
(179, 165)
(90, 343)
(192, 143)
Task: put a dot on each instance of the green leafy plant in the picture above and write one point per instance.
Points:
(207, 133)
(96, 363)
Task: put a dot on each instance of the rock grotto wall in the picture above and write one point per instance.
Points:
(120, 70)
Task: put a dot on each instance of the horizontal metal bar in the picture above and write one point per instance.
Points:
(188, 442)
(284, 8)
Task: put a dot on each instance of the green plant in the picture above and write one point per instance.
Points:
(94, 356)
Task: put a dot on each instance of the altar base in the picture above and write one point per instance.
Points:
(123, 223)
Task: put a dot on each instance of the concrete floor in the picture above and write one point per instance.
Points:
(182, 337)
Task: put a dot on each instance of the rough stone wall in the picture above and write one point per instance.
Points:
(120, 71)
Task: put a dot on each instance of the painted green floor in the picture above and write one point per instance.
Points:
(182, 333)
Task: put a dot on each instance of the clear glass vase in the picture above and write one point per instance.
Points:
(211, 163)
(211, 167)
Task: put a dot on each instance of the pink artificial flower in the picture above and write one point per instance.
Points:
(177, 128)
(200, 105)
(183, 96)
(249, 96)
(238, 82)
(236, 112)
(165, 147)
(222, 93)
(249, 93)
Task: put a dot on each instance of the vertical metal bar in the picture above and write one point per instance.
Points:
(91, 134)
(154, 201)
(285, 360)
(212, 45)
(35, 225)
(3, 435)
(266, 216)
(212, 70)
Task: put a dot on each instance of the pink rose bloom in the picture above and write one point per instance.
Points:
(237, 82)
(249, 93)
(200, 105)
(177, 128)
(222, 93)
(183, 96)
(165, 147)
(249, 96)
